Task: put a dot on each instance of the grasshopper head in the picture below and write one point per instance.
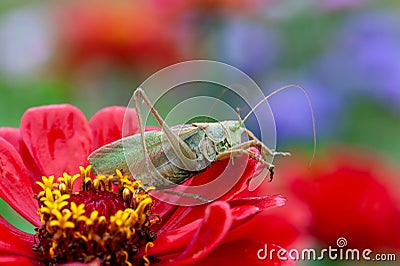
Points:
(225, 132)
(234, 130)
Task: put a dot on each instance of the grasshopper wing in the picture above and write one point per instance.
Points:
(115, 155)
(126, 154)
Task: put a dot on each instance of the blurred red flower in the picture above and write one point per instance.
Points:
(57, 138)
(347, 192)
(122, 33)
(145, 35)
(350, 194)
(229, 7)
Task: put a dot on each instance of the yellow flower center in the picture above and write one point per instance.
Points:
(108, 219)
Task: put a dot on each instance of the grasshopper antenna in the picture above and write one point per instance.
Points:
(239, 117)
(215, 103)
(237, 86)
(309, 104)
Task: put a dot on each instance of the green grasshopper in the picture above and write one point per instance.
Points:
(167, 158)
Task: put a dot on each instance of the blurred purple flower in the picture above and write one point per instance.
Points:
(293, 116)
(25, 41)
(365, 57)
(248, 45)
(340, 4)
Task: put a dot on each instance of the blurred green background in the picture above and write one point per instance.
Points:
(93, 54)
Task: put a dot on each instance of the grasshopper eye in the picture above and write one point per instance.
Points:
(237, 126)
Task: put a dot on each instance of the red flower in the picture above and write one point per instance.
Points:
(351, 194)
(227, 6)
(288, 225)
(123, 33)
(57, 138)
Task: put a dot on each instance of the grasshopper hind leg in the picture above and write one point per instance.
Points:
(181, 149)
(189, 195)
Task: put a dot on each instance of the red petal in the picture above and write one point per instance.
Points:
(152, 128)
(178, 218)
(15, 231)
(245, 252)
(107, 124)
(11, 244)
(263, 202)
(276, 228)
(58, 137)
(223, 180)
(14, 260)
(184, 215)
(241, 164)
(15, 186)
(244, 213)
(165, 211)
(96, 262)
(215, 225)
(33, 170)
(12, 135)
(174, 241)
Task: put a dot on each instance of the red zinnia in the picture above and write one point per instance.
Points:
(123, 33)
(57, 139)
(352, 194)
(288, 225)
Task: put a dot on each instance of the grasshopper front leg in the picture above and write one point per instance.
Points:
(180, 148)
(264, 150)
(243, 149)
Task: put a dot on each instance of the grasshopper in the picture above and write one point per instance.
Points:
(167, 158)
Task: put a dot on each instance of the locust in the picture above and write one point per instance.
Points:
(166, 158)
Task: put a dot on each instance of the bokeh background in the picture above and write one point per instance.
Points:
(346, 53)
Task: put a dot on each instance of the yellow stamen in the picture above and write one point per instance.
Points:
(47, 182)
(126, 258)
(78, 211)
(140, 210)
(62, 220)
(92, 219)
(85, 172)
(67, 225)
(68, 180)
(145, 257)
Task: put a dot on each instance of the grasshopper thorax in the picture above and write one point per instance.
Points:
(234, 130)
(223, 134)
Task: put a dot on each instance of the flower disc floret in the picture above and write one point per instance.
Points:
(108, 219)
